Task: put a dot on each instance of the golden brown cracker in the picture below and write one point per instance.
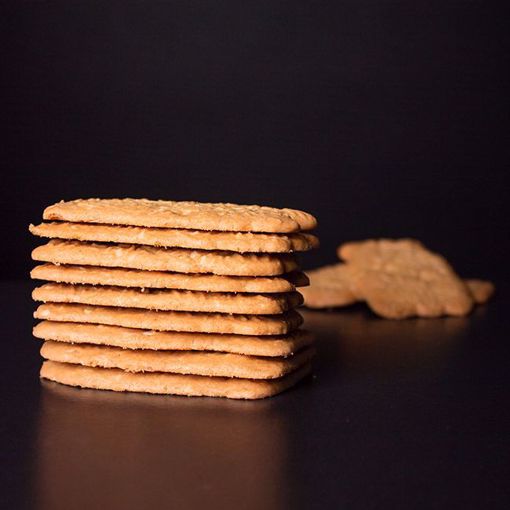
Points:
(168, 384)
(401, 278)
(131, 338)
(481, 290)
(242, 242)
(198, 322)
(150, 258)
(178, 300)
(186, 215)
(214, 364)
(330, 286)
(123, 277)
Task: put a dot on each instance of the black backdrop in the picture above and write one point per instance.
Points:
(382, 118)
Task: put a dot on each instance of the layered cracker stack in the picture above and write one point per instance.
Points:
(168, 297)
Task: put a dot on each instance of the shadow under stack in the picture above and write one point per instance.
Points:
(179, 298)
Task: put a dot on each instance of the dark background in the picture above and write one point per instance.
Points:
(382, 118)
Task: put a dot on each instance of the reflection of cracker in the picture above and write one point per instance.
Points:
(164, 280)
(173, 321)
(401, 278)
(169, 384)
(330, 286)
(179, 260)
(481, 290)
(178, 300)
(179, 238)
(194, 363)
(187, 215)
(130, 338)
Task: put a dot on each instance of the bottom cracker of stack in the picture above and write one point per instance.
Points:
(169, 384)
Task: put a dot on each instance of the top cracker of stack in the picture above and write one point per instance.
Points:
(143, 279)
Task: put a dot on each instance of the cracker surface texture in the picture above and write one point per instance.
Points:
(185, 215)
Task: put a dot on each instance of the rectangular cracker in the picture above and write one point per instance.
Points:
(198, 322)
(164, 280)
(186, 215)
(242, 242)
(214, 364)
(177, 300)
(131, 338)
(168, 384)
(179, 260)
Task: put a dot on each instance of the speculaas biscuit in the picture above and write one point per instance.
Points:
(186, 215)
(334, 286)
(168, 384)
(401, 278)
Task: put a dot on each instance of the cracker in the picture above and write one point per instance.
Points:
(178, 300)
(186, 215)
(197, 322)
(165, 280)
(330, 286)
(168, 384)
(401, 278)
(481, 290)
(334, 286)
(130, 338)
(242, 242)
(150, 258)
(214, 364)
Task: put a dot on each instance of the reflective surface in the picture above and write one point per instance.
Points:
(408, 414)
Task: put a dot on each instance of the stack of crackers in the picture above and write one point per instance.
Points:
(168, 297)
(397, 278)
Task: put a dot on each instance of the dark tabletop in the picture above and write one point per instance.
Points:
(409, 414)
